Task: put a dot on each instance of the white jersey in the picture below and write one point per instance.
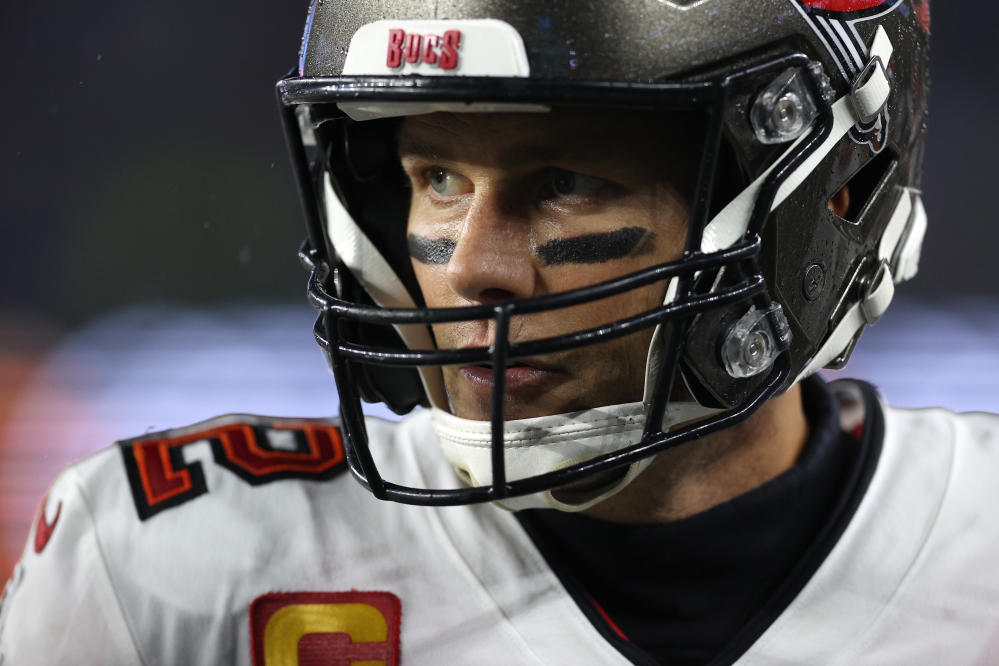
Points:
(238, 541)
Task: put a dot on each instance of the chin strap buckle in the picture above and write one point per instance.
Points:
(870, 89)
(878, 294)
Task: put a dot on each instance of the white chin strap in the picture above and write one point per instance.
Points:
(548, 443)
(543, 444)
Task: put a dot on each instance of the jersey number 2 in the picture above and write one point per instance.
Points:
(161, 479)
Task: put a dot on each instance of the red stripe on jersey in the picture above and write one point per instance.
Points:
(608, 620)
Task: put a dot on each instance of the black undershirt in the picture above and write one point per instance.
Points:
(679, 593)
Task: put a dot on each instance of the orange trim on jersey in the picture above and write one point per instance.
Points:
(325, 450)
(160, 478)
(161, 450)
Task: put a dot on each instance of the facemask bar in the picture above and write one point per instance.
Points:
(343, 353)
(676, 316)
(675, 331)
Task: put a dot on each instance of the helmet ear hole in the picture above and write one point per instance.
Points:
(839, 204)
(862, 187)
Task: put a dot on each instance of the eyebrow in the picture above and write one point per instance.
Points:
(411, 146)
(596, 248)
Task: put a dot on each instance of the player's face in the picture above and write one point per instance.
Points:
(509, 206)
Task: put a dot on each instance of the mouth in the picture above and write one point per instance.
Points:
(519, 374)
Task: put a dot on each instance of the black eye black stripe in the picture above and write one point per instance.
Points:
(430, 250)
(593, 248)
(584, 249)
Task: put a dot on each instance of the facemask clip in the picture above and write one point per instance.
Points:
(752, 344)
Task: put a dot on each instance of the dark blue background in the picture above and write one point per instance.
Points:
(141, 158)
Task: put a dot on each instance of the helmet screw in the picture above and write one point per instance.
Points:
(815, 280)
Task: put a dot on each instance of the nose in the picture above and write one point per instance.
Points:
(492, 259)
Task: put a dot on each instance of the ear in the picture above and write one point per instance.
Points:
(840, 202)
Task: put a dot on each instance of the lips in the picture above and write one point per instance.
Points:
(519, 374)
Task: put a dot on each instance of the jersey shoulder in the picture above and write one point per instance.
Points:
(912, 579)
(258, 450)
(968, 433)
(145, 535)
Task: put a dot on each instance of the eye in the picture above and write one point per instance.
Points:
(572, 185)
(444, 183)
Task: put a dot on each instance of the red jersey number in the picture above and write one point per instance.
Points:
(161, 479)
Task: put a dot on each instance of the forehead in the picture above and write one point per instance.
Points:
(562, 135)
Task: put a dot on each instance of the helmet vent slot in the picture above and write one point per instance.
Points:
(867, 183)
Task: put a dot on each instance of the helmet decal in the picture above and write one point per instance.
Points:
(844, 5)
(475, 47)
(834, 23)
(835, 26)
(413, 48)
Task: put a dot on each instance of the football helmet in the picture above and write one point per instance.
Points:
(798, 98)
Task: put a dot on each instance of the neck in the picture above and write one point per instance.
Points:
(699, 475)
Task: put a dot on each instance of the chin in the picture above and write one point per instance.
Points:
(517, 409)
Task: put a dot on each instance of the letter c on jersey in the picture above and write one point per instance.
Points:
(314, 628)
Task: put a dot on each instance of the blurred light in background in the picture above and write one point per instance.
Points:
(148, 369)
(143, 370)
(924, 354)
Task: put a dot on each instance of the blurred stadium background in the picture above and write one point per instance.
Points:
(149, 226)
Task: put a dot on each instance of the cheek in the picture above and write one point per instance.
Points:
(430, 278)
(437, 294)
